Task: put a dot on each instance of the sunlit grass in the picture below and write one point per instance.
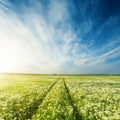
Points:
(59, 97)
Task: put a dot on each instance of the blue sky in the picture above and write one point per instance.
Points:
(60, 36)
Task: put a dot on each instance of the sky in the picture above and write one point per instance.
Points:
(60, 36)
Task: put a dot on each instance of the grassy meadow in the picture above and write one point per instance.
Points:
(59, 97)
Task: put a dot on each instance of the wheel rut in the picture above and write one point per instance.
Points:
(34, 107)
(75, 109)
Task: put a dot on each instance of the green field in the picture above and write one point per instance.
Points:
(59, 97)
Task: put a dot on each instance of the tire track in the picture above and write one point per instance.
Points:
(33, 108)
(75, 109)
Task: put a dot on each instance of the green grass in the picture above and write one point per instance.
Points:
(59, 97)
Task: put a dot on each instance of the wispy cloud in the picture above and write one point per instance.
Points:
(36, 43)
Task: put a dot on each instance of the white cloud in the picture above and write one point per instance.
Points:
(58, 11)
(32, 44)
(98, 64)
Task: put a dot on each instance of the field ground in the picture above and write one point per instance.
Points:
(59, 97)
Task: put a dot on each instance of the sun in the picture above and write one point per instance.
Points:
(6, 64)
(8, 54)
